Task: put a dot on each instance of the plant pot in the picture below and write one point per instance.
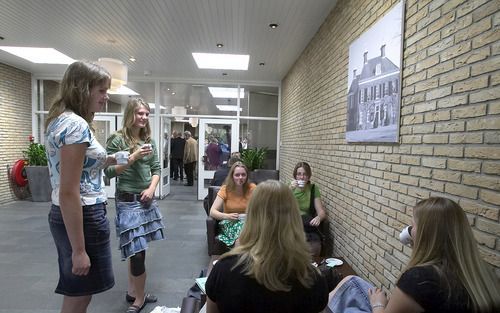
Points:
(39, 183)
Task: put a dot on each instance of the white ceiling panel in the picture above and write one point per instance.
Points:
(162, 34)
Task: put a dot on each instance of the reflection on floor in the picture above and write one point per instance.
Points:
(28, 259)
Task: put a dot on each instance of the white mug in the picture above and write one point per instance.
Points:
(405, 236)
(147, 146)
(121, 157)
(301, 183)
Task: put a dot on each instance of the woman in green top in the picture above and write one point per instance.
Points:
(138, 218)
(311, 208)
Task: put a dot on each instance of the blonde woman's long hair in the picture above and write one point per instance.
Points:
(273, 248)
(229, 181)
(74, 92)
(445, 240)
(128, 123)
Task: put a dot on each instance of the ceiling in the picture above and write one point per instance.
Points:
(162, 34)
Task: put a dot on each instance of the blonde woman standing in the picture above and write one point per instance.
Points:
(77, 218)
(445, 272)
(138, 218)
(270, 270)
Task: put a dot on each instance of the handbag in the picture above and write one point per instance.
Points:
(312, 232)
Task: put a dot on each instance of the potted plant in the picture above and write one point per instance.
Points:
(253, 158)
(37, 171)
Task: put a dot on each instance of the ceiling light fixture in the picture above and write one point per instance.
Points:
(219, 45)
(225, 107)
(273, 25)
(262, 64)
(222, 92)
(39, 55)
(122, 90)
(132, 59)
(117, 69)
(221, 61)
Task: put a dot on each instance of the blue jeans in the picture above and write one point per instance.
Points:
(351, 297)
(96, 231)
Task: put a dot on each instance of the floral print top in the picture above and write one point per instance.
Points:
(70, 128)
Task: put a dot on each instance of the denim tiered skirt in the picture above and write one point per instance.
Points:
(137, 223)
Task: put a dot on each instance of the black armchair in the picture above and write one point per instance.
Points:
(214, 245)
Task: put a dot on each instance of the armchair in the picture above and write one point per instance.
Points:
(214, 246)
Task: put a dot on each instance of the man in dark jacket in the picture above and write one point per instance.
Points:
(177, 152)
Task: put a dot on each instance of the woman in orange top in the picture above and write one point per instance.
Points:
(233, 195)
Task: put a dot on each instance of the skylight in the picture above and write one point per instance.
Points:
(122, 90)
(225, 107)
(39, 55)
(223, 92)
(222, 61)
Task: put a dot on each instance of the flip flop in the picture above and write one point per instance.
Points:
(135, 308)
(149, 298)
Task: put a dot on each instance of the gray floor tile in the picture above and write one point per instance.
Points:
(28, 259)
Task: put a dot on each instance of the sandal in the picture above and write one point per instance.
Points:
(148, 299)
(135, 308)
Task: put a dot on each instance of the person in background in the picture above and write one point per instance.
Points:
(233, 196)
(77, 218)
(138, 218)
(445, 272)
(177, 152)
(190, 157)
(270, 270)
(310, 205)
(221, 173)
(213, 152)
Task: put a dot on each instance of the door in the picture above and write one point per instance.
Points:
(218, 138)
(164, 153)
(104, 126)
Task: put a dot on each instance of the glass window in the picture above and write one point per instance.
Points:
(260, 134)
(259, 101)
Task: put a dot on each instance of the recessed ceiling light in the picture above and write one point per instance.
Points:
(225, 107)
(222, 61)
(273, 25)
(122, 90)
(222, 92)
(262, 64)
(224, 74)
(173, 93)
(2, 38)
(39, 55)
(219, 45)
(132, 59)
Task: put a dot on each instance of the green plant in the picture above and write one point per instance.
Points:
(35, 154)
(253, 158)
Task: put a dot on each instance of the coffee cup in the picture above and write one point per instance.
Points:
(405, 236)
(146, 146)
(301, 183)
(122, 157)
(242, 217)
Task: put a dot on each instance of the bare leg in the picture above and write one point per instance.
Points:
(75, 304)
(139, 283)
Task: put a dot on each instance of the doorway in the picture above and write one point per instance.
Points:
(218, 138)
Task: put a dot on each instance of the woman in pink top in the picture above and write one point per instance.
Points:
(233, 197)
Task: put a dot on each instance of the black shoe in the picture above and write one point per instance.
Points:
(176, 178)
(188, 184)
(148, 299)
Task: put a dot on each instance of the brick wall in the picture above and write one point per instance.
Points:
(449, 136)
(15, 121)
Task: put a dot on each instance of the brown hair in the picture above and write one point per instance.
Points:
(229, 182)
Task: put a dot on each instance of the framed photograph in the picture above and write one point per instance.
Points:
(374, 81)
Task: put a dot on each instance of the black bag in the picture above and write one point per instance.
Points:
(331, 275)
(312, 232)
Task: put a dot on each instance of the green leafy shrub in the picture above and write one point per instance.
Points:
(254, 158)
(35, 154)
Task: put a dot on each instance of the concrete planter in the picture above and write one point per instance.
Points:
(39, 183)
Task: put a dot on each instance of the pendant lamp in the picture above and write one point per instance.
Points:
(117, 69)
